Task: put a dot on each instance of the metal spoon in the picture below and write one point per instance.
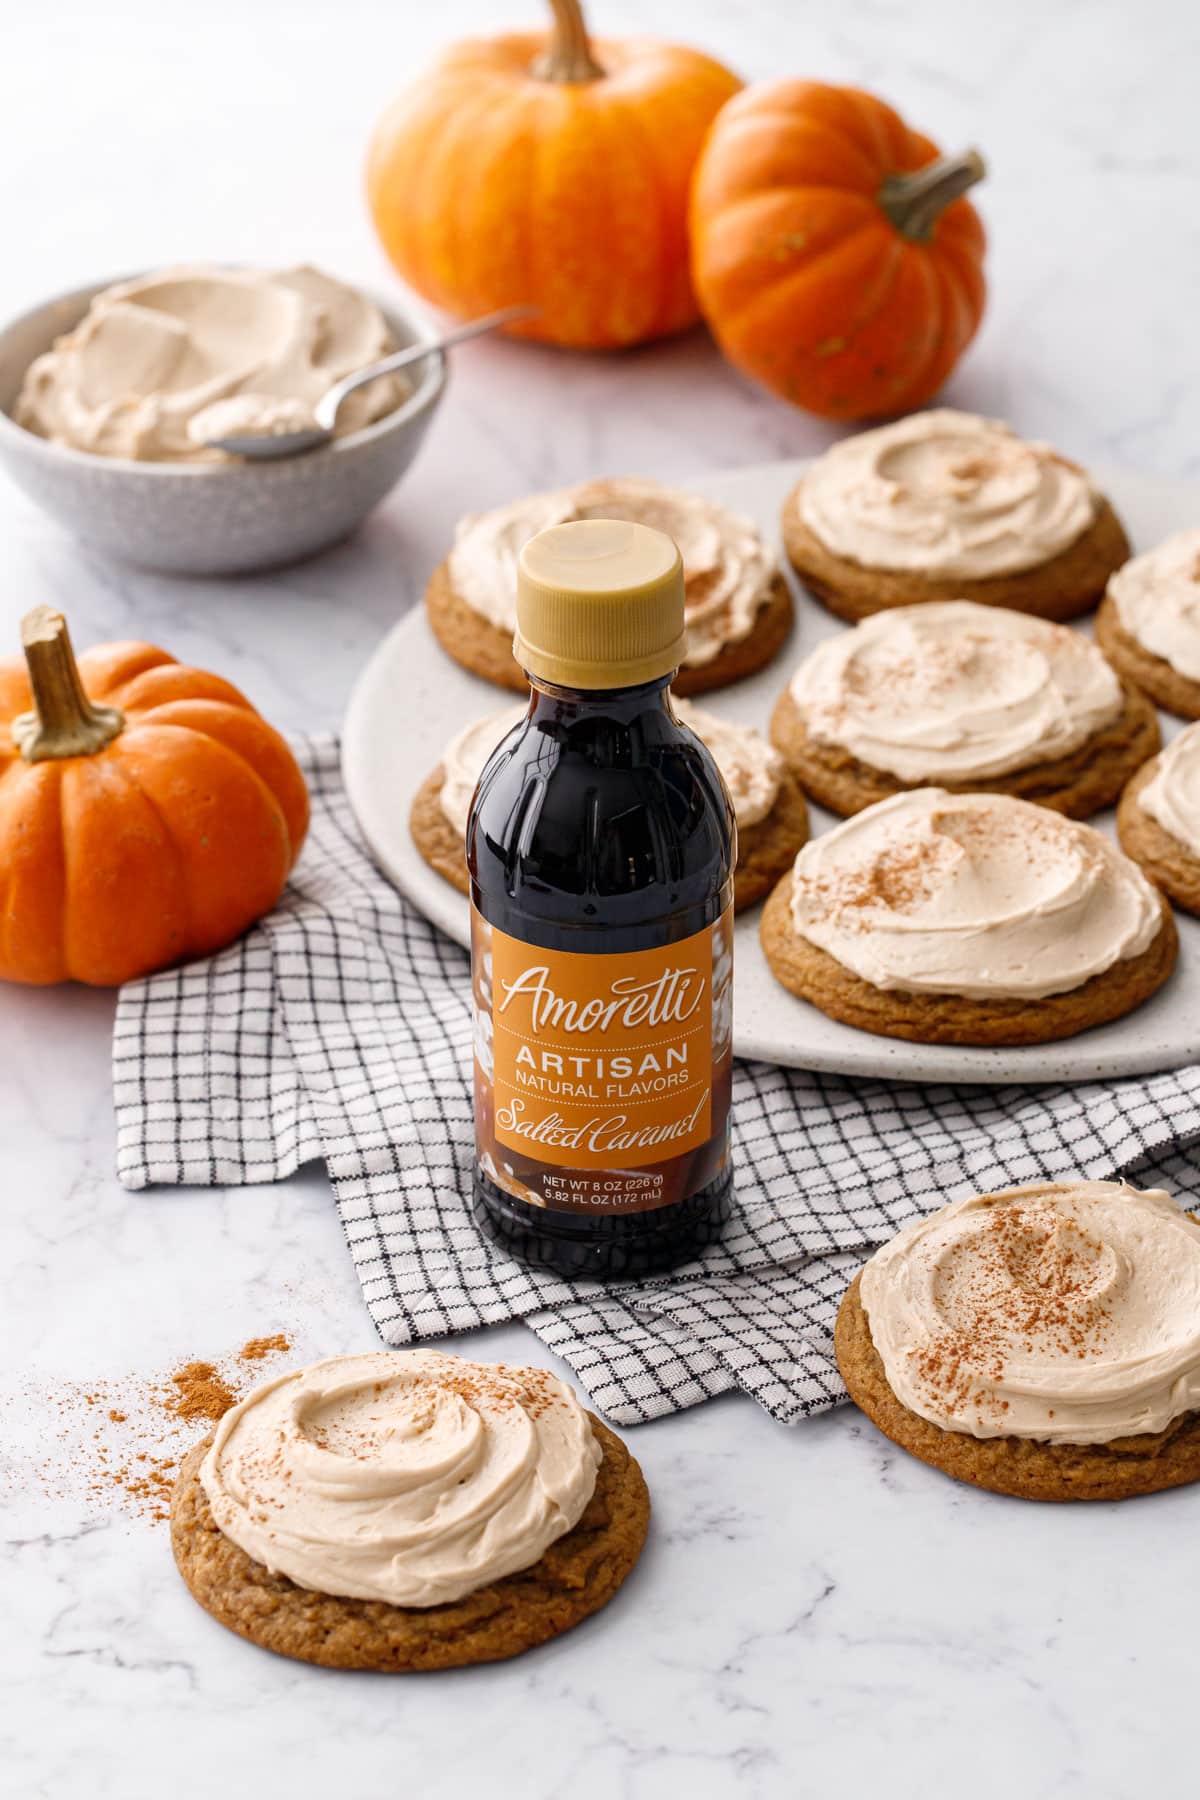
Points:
(259, 446)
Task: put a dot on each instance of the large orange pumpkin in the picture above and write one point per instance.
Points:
(553, 172)
(833, 256)
(147, 812)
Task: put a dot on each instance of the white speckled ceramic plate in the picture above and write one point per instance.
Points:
(411, 698)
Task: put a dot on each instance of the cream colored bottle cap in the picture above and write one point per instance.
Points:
(600, 605)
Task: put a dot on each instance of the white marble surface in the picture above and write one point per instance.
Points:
(815, 1613)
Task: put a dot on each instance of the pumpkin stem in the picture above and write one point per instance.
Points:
(568, 56)
(915, 202)
(64, 722)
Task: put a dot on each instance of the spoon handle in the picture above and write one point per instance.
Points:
(326, 409)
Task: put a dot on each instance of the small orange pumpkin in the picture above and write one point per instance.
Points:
(147, 812)
(833, 255)
(552, 172)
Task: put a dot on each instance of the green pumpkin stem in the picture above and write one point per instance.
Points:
(915, 202)
(64, 722)
(568, 56)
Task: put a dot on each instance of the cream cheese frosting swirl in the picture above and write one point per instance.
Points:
(946, 493)
(1066, 1312)
(152, 356)
(1157, 597)
(955, 691)
(404, 1476)
(727, 568)
(1172, 795)
(751, 768)
(978, 895)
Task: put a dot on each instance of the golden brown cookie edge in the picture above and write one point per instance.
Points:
(1063, 588)
(1077, 785)
(434, 836)
(577, 1576)
(1168, 863)
(1153, 674)
(1017, 1467)
(771, 629)
(818, 978)
(767, 849)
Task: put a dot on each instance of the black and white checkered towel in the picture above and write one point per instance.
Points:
(340, 1028)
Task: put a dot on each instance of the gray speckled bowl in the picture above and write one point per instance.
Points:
(214, 518)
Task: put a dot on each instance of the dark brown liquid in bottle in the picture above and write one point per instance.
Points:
(602, 825)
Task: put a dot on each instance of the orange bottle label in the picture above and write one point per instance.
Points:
(602, 1065)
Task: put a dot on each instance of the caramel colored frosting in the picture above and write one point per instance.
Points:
(751, 768)
(1066, 1312)
(1172, 795)
(954, 691)
(728, 570)
(978, 895)
(464, 758)
(946, 493)
(1157, 597)
(404, 1476)
(140, 375)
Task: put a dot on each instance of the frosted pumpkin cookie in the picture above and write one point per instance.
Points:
(1149, 623)
(967, 919)
(1042, 1342)
(965, 697)
(407, 1510)
(948, 506)
(768, 804)
(1158, 820)
(737, 605)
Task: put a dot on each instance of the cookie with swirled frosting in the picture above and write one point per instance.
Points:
(407, 1510)
(737, 605)
(769, 806)
(1158, 820)
(966, 696)
(967, 919)
(1149, 623)
(1042, 1342)
(946, 505)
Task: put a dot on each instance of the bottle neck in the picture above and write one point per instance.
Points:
(548, 702)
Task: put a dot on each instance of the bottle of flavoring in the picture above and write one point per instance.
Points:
(601, 846)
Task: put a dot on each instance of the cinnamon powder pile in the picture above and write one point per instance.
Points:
(201, 1393)
(120, 1442)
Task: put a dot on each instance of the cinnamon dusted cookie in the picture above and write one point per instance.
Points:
(967, 919)
(738, 607)
(1005, 1340)
(486, 1554)
(1149, 623)
(945, 505)
(972, 698)
(768, 803)
(1158, 820)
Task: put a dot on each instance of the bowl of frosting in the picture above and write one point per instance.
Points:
(108, 394)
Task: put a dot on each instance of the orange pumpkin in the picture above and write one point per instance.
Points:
(552, 172)
(834, 258)
(147, 812)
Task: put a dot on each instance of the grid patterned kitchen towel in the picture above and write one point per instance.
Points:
(340, 1028)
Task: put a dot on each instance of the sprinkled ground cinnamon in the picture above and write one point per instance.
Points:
(118, 1443)
(255, 1349)
(203, 1394)
(1030, 1280)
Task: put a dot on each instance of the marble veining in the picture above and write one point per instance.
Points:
(815, 1612)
